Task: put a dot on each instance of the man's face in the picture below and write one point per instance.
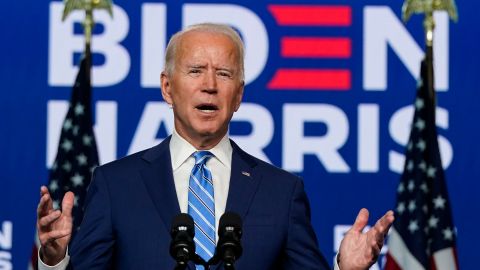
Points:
(205, 88)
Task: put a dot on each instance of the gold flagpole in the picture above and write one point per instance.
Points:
(89, 23)
(428, 7)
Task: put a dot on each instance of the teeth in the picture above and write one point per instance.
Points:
(207, 111)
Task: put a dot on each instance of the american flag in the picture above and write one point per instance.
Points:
(423, 235)
(77, 151)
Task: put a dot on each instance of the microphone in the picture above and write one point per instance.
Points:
(229, 248)
(182, 246)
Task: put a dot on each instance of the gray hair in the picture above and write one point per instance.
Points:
(224, 29)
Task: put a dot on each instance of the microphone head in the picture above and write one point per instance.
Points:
(182, 246)
(183, 223)
(230, 222)
(229, 246)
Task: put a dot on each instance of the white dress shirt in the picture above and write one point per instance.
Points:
(219, 165)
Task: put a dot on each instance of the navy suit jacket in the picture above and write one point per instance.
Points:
(131, 203)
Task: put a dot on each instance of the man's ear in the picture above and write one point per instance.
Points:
(238, 98)
(166, 88)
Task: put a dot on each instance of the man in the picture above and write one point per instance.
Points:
(132, 201)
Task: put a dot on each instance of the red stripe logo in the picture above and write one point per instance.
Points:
(315, 47)
(310, 79)
(311, 15)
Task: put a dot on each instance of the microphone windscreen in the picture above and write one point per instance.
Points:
(183, 220)
(230, 219)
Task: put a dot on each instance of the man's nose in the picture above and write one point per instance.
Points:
(210, 82)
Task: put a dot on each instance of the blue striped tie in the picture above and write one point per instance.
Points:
(201, 205)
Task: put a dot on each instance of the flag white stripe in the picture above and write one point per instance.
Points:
(445, 259)
(400, 253)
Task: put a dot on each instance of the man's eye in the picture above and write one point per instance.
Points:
(194, 71)
(224, 74)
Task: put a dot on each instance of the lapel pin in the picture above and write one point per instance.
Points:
(246, 173)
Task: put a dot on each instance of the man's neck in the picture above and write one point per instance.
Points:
(202, 142)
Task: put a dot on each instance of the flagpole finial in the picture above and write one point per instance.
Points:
(428, 7)
(88, 6)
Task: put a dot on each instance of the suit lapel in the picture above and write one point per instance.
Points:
(244, 181)
(158, 179)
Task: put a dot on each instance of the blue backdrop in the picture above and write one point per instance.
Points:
(329, 91)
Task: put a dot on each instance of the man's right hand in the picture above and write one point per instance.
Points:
(54, 227)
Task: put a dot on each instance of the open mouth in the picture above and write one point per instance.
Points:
(208, 108)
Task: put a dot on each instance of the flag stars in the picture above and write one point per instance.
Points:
(410, 165)
(401, 188)
(77, 180)
(433, 222)
(56, 205)
(423, 165)
(419, 83)
(87, 140)
(413, 226)
(424, 187)
(401, 207)
(67, 124)
(67, 145)
(419, 103)
(67, 166)
(75, 201)
(411, 185)
(439, 202)
(410, 146)
(447, 234)
(75, 130)
(82, 159)
(420, 124)
(412, 206)
(431, 171)
(421, 145)
(79, 109)
(53, 185)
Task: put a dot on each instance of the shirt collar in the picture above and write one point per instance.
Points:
(181, 150)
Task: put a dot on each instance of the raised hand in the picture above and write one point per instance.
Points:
(359, 251)
(54, 227)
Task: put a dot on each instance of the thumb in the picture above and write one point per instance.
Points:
(67, 203)
(361, 221)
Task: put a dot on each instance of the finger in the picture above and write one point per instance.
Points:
(360, 221)
(384, 223)
(43, 190)
(67, 203)
(49, 219)
(52, 236)
(43, 205)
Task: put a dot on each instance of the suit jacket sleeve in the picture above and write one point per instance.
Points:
(301, 247)
(92, 246)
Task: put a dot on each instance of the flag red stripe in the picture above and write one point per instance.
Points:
(391, 264)
(311, 15)
(316, 47)
(311, 79)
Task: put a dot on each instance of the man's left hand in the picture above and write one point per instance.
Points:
(359, 251)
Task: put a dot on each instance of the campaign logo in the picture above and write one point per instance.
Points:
(307, 57)
(312, 47)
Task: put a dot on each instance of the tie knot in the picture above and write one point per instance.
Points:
(201, 157)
